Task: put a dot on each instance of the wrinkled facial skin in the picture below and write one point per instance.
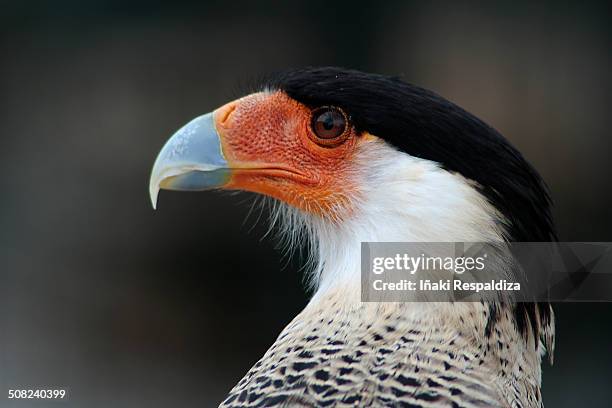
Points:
(268, 140)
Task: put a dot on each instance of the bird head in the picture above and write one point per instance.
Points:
(271, 144)
(358, 157)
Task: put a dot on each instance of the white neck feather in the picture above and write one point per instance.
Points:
(403, 199)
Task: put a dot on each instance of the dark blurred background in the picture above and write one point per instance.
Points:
(128, 307)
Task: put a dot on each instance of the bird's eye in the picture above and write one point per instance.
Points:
(329, 124)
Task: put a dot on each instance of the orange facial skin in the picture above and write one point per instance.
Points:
(269, 144)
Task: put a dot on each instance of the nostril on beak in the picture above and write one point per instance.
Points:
(225, 112)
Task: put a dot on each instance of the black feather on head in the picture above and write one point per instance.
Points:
(425, 125)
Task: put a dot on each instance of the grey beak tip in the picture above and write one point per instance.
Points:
(153, 195)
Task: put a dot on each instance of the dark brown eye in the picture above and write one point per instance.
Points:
(329, 123)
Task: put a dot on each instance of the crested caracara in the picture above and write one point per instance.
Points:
(354, 157)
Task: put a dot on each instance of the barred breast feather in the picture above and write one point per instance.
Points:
(395, 355)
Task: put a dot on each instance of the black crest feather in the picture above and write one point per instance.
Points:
(423, 124)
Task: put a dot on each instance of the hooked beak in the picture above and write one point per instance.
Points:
(191, 160)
